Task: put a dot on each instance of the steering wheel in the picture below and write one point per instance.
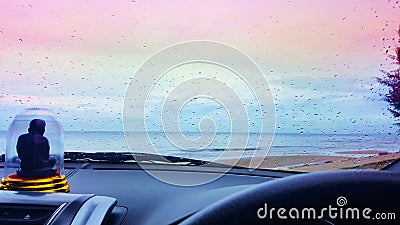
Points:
(375, 195)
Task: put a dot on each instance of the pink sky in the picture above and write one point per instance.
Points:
(53, 42)
(294, 25)
(282, 31)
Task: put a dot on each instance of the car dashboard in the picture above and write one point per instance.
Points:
(124, 193)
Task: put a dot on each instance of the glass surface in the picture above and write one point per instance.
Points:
(19, 126)
(321, 60)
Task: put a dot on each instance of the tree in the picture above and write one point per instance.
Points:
(391, 79)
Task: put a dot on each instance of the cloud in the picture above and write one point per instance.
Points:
(75, 111)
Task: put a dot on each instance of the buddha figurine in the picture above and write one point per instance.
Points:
(33, 150)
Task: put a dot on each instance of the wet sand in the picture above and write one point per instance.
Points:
(364, 152)
(310, 163)
(372, 163)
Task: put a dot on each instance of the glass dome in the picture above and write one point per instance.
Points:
(54, 133)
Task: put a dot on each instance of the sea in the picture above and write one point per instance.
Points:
(212, 145)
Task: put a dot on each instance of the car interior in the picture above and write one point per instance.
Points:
(189, 112)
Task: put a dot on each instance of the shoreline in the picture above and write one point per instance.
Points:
(313, 163)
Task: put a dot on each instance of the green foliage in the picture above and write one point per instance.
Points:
(391, 79)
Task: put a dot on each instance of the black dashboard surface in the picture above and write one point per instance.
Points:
(151, 201)
(143, 199)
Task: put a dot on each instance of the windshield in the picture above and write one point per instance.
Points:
(289, 85)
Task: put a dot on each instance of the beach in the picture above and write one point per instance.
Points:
(311, 163)
(298, 152)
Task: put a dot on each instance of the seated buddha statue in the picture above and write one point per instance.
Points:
(33, 150)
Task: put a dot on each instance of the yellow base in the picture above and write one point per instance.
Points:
(48, 184)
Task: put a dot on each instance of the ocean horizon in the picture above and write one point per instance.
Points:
(284, 144)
